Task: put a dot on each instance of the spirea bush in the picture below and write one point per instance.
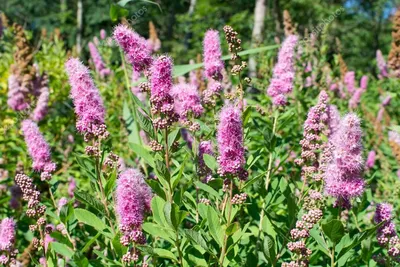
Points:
(130, 160)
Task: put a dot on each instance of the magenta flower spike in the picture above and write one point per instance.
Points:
(133, 197)
(7, 234)
(212, 54)
(370, 159)
(103, 34)
(356, 98)
(186, 100)
(136, 49)
(386, 101)
(17, 97)
(343, 178)
(364, 82)
(38, 149)
(333, 119)
(349, 81)
(284, 72)
(230, 143)
(381, 64)
(101, 68)
(387, 230)
(88, 104)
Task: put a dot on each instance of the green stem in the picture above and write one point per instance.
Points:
(223, 250)
(333, 255)
(178, 247)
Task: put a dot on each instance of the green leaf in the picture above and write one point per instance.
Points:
(334, 230)
(210, 161)
(214, 225)
(117, 12)
(173, 215)
(90, 242)
(157, 207)
(143, 153)
(173, 136)
(145, 123)
(207, 188)
(159, 231)
(166, 254)
(109, 188)
(62, 249)
(90, 219)
(196, 238)
(269, 248)
(322, 245)
(232, 228)
(89, 200)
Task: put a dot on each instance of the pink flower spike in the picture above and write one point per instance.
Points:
(283, 73)
(349, 81)
(186, 100)
(136, 49)
(88, 104)
(370, 159)
(230, 143)
(364, 82)
(38, 148)
(212, 54)
(101, 68)
(7, 234)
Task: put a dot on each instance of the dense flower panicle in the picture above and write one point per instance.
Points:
(343, 178)
(284, 72)
(380, 114)
(349, 81)
(364, 82)
(311, 143)
(381, 64)
(161, 99)
(187, 137)
(135, 47)
(387, 230)
(386, 101)
(17, 96)
(38, 148)
(136, 90)
(133, 198)
(370, 162)
(41, 108)
(205, 147)
(103, 34)
(88, 104)
(355, 98)
(230, 143)
(212, 54)
(101, 68)
(214, 88)
(71, 186)
(193, 77)
(333, 119)
(186, 100)
(31, 195)
(7, 234)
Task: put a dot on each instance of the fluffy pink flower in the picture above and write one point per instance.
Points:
(386, 100)
(103, 34)
(230, 143)
(364, 82)
(193, 79)
(41, 108)
(383, 214)
(355, 98)
(186, 100)
(212, 54)
(161, 85)
(381, 64)
(17, 96)
(349, 81)
(333, 119)
(380, 114)
(135, 47)
(71, 187)
(370, 159)
(133, 199)
(205, 147)
(343, 178)
(101, 68)
(38, 148)
(7, 234)
(283, 73)
(86, 97)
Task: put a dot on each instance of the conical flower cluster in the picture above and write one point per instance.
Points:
(343, 176)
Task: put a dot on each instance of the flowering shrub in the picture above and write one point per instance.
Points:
(132, 161)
